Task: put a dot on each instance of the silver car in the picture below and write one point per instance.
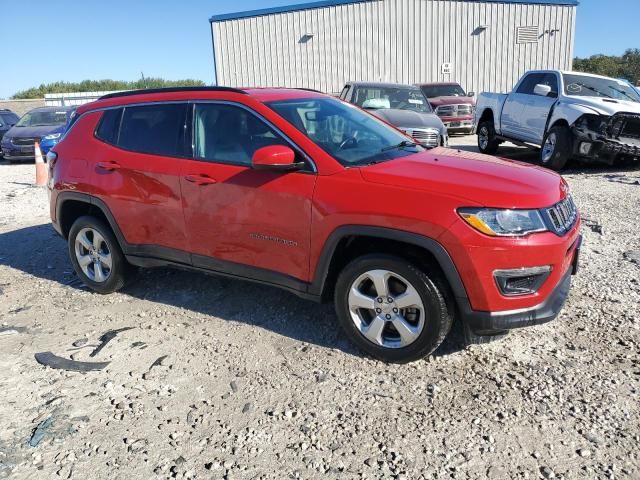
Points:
(403, 106)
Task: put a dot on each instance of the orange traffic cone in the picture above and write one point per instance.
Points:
(42, 175)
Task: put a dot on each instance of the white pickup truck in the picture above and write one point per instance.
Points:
(565, 115)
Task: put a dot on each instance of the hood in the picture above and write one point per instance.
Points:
(439, 101)
(409, 119)
(606, 106)
(21, 132)
(481, 179)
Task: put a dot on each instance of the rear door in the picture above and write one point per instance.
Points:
(514, 118)
(240, 220)
(137, 173)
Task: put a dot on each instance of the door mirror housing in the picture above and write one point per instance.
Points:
(276, 157)
(542, 90)
(471, 94)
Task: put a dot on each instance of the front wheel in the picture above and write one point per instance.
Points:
(96, 255)
(487, 141)
(556, 148)
(391, 309)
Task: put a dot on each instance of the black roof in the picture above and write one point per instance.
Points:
(383, 85)
(148, 91)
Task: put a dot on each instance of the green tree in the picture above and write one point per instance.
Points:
(626, 66)
(102, 86)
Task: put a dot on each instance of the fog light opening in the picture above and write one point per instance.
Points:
(521, 281)
(585, 148)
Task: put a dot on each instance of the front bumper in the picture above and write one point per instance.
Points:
(621, 139)
(18, 153)
(458, 124)
(492, 323)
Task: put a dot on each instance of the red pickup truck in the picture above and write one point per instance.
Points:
(452, 104)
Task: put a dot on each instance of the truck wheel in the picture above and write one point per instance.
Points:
(391, 309)
(556, 148)
(487, 141)
(96, 256)
(471, 338)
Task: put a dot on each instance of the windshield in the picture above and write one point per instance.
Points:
(348, 134)
(432, 91)
(377, 98)
(42, 119)
(584, 86)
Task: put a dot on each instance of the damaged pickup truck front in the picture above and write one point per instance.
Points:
(565, 115)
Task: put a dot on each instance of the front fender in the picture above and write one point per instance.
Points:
(570, 113)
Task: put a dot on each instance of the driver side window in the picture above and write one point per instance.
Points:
(229, 134)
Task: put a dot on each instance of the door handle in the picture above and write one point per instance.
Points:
(109, 166)
(201, 179)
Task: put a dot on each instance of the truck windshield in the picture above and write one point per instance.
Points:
(433, 91)
(585, 86)
(42, 119)
(348, 134)
(378, 97)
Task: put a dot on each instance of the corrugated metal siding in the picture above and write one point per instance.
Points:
(404, 41)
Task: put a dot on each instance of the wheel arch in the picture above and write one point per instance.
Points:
(349, 241)
(72, 205)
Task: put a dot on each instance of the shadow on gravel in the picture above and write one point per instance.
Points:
(40, 252)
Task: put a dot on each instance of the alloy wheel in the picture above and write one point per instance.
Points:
(549, 147)
(386, 309)
(483, 137)
(93, 255)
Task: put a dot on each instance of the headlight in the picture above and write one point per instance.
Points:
(503, 223)
(53, 136)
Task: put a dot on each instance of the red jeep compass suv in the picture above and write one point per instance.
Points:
(299, 190)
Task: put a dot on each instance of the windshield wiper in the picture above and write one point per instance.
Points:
(633, 99)
(594, 90)
(402, 144)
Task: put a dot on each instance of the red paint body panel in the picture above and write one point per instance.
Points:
(281, 222)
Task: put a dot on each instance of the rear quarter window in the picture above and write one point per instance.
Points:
(109, 126)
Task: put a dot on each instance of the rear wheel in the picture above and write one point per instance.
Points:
(487, 141)
(391, 309)
(556, 148)
(96, 255)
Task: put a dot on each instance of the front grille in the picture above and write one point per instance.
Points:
(426, 136)
(24, 141)
(454, 110)
(563, 215)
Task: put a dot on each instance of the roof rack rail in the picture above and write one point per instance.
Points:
(170, 90)
(308, 90)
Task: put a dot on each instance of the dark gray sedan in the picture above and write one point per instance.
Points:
(403, 106)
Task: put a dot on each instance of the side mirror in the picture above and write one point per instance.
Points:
(276, 157)
(542, 90)
(471, 94)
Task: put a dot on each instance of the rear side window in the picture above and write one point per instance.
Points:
(154, 129)
(109, 126)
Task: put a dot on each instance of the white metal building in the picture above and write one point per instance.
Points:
(483, 44)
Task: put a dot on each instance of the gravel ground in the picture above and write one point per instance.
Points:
(217, 378)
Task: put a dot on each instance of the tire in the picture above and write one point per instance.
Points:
(487, 141)
(470, 338)
(556, 148)
(422, 314)
(109, 280)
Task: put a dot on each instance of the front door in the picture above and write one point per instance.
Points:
(240, 220)
(539, 109)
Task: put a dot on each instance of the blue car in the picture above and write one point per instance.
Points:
(45, 125)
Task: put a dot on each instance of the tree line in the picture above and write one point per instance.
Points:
(102, 86)
(626, 66)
